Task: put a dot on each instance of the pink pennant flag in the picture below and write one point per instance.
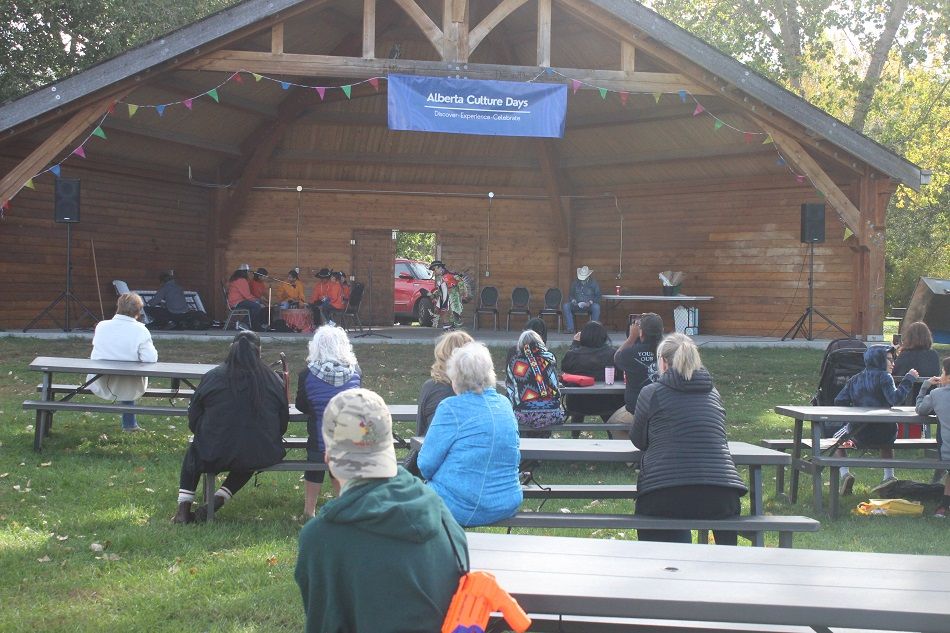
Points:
(320, 91)
(6, 205)
(748, 137)
(699, 110)
(112, 107)
(80, 152)
(187, 103)
(575, 85)
(238, 78)
(374, 82)
(623, 97)
(800, 179)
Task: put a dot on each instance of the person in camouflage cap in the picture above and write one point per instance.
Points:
(358, 435)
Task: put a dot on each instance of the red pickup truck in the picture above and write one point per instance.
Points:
(412, 286)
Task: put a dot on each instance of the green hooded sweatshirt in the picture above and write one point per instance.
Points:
(378, 559)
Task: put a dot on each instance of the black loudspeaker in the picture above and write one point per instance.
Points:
(813, 223)
(66, 204)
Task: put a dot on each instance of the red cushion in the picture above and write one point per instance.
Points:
(576, 381)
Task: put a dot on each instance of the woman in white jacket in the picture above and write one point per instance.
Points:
(123, 337)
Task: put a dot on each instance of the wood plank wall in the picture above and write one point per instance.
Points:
(740, 244)
(140, 226)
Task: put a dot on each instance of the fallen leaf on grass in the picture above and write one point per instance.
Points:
(112, 557)
(2, 475)
(149, 490)
(192, 570)
(139, 469)
(174, 569)
(96, 547)
(45, 559)
(272, 560)
(45, 464)
(61, 538)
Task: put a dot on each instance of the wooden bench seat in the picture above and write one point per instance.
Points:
(755, 525)
(103, 407)
(151, 392)
(591, 624)
(601, 427)
(579, 491)
(786, 445)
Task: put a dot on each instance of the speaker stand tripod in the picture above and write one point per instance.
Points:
(369, 328)
(808, 315)
(66, 295)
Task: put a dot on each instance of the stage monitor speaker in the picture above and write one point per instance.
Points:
(66, 203)
(813, 223)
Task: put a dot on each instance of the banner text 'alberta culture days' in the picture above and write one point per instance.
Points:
(481, 103)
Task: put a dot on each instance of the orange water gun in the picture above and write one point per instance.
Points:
(477, 596)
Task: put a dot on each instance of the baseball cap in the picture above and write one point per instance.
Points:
(358, 434)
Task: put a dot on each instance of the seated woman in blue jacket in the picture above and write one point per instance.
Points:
(471, 452)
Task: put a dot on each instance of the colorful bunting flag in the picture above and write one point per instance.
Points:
(623, 97)
(549, 71)
(768, 139)
(656, 96)
(112, 107)
(575, 85)
(100, 133)
(374, 82)
(238, 78)
(160, 109)
(780, 161)
(6, 205)
(257, 77)
(187, 103)
(699, 110)
(347, 90)
(213, 93)
(748, 137)
(56, 170)
(321, 91)
(132, 109)
(682, 94)
(285, 85)
(718, 124)
(80, 152)
(847, 233)
(603, 93)
(800, 179)
(29, 184)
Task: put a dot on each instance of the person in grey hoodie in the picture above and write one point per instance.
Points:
(934, 398)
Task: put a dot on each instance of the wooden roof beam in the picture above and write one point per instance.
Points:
(358, 68)
(54, 144)
(716, 152)
(405, 160)
(490, 21)
(429, 28)
(799, 158)
(187, 140)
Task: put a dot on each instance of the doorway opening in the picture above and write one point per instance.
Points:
(413, 281)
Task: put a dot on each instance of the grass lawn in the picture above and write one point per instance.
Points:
(85, 538)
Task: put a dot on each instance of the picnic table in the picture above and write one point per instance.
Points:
(623, 451)
(816, 462)
(584, 584)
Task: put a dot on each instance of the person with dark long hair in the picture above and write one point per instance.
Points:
(589, 355)
(239, 416)
(240, 296)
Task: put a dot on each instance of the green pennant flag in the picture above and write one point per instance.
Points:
(656, 96)
(603, 93)
(346, 90)
(257, 77)
(132, 109)
(213, 93)
(99, 132)
(29, 183)
(718, 124)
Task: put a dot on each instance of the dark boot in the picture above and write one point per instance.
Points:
(184, 514)
(201, 514)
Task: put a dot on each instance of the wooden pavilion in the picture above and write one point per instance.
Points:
(259, 135)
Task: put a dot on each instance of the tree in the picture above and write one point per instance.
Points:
(419, 246)
(45, 40)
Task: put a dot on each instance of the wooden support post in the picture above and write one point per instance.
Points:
(873, 193)
(548, 162)
(544, 33)
(455, 30)
(429, 28)
(369, 29)
(277, 39)
(628, 56)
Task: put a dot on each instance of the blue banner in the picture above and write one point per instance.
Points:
(466, 106)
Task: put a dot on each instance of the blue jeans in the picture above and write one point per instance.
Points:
(128, 419)
(569, 309)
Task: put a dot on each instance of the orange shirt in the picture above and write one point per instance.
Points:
(338, 296)
(258, 288)
(323, 288)
(239, 291)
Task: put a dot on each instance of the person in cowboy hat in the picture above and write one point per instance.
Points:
(448, 299)
(239, 296)
(583, 298)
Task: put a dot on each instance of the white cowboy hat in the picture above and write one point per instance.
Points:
(584, 272)
(244, 267)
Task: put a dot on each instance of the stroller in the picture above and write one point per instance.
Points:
(844, 357)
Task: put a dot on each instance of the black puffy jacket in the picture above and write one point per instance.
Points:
(228, 435)
(680, 425)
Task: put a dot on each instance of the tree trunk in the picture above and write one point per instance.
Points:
(786, 12)
(878, 57)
